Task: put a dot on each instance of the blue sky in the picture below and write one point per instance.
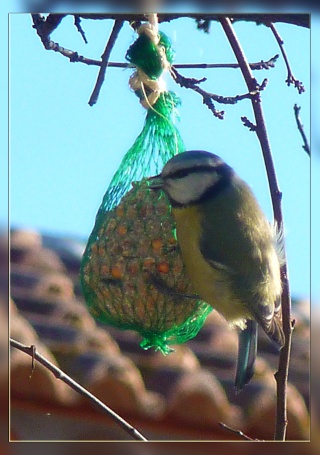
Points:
(63, 153)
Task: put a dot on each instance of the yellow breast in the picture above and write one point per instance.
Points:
(211, 284)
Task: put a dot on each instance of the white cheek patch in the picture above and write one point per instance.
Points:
(191, 187)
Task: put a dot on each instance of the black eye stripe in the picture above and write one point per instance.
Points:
(221, 170)
(180, 173)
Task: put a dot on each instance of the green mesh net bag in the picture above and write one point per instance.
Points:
(132, 274)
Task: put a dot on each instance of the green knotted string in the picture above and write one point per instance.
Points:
(144, 54)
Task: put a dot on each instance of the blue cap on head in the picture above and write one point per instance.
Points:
(192, 159)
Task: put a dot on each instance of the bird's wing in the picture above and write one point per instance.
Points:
(268, 316)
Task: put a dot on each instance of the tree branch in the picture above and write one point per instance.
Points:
(45, 27)
(238, 432)
(208, 98)
(302, 20)
(284, 357)
(104, 61)
(73, 56)
(193, 84)
(305, 146)
(263, 64)
(77, 23)
(248, 124)
(290, 77)
(59, 374)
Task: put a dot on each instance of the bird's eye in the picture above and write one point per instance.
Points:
(180, 173)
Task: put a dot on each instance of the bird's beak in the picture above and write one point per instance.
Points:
(156, 182)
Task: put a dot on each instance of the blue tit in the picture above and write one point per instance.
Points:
(230, 251)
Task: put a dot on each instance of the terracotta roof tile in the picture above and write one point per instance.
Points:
(25, 239)
(263, 409)
(40, 384)
(118, 383)
(199, 399)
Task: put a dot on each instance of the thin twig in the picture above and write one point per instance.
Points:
(305, 146)
(248, 124)
(33, 363)
(76, 58)
(207, 97)
(238, 432)
(77, 23)
(263, 64)
(59, 374)
(104, 63)
(276, 196)
(290, 77)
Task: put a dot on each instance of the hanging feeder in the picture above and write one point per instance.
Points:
(132, 273)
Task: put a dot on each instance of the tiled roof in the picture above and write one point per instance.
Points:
(180, 396)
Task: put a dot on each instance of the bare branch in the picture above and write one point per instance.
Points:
(302, 20)
(290, 77)
(192, 84)
(33, 363)
(238, 432)
(305, 146)
(104, 63)
(276, 196)
(77, 23)
(263, 64)
(45, 27)
(59, 374)
(73, 56)
(248, 124)
(208, 98)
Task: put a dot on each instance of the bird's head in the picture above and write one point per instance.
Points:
(191, 177)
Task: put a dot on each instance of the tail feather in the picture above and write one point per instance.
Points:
(275, 332)
(247, 352)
